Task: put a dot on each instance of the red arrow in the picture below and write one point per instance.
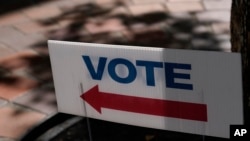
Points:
(166, 108)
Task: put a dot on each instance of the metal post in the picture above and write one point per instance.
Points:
(88, 122)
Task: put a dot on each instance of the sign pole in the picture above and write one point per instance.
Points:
(87, 118)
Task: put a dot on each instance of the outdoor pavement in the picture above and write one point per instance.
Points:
(27, 95)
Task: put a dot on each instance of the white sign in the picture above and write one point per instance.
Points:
(197, 92)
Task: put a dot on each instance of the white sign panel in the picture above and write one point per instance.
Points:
(197, 92)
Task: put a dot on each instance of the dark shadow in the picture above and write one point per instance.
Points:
(40, 68)
(10, 5)
(5, 76)
(45, 95)
(103, 130)
(148, 19)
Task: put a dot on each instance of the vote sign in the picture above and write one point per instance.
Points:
(187, 91)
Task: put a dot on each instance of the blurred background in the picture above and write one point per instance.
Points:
(27, 95)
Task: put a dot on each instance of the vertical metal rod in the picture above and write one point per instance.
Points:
(88, 122)
(89, 129)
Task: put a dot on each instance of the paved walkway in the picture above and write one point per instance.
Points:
(27, 94)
